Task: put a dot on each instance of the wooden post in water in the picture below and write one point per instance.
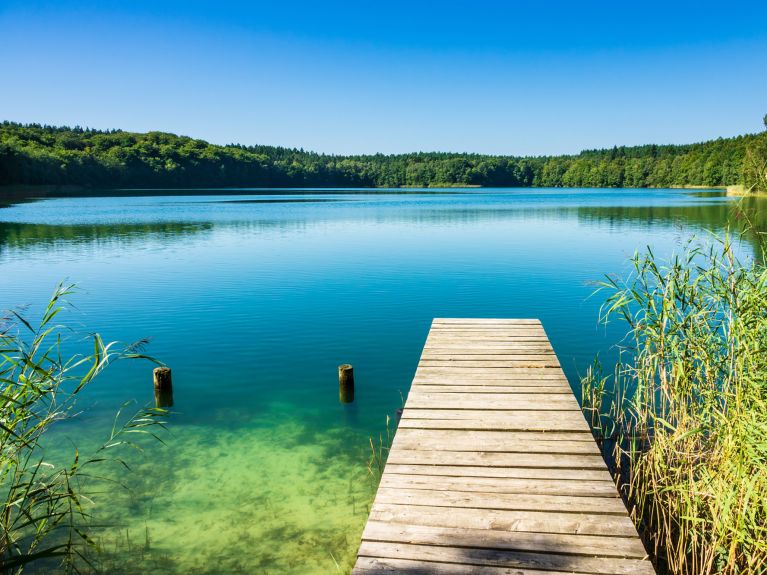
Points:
(163, 387)
(346, 383)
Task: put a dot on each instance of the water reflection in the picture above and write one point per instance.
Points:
(15, 236)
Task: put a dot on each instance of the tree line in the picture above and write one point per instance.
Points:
(36, 154)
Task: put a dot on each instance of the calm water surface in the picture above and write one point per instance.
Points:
(254, 300)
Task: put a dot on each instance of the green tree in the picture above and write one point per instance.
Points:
(36, 154)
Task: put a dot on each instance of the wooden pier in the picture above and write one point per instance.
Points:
(493, 469)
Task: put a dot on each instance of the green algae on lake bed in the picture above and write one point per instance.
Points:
(242, 500)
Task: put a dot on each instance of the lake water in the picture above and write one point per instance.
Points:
(254, 300)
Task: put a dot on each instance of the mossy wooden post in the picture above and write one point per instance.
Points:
(346, 383)
(163, 387)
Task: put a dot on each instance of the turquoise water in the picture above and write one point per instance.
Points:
(254, 300)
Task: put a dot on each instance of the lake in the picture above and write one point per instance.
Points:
(254, 298)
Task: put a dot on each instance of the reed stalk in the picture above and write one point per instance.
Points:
(683, 419)
(45, 507)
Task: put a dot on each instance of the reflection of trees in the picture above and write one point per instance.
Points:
(752, 215)
(25, 236)
(10, 195)
(448, 210)
(747, 214)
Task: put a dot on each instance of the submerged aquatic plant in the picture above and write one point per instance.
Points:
(683, 420)
(45, 512)
(379, 452)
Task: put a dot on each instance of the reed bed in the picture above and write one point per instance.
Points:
(47, 507)
(683, 418)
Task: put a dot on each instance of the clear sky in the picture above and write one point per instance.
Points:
(521, 78)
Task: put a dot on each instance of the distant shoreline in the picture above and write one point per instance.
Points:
(24, 190)
(697, 187)
(740, 192)
(13, 194)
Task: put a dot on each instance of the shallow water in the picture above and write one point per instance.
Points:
(254, 299)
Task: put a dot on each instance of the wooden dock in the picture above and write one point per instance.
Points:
(493, 469)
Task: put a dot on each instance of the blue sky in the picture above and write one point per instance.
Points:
(521, 78)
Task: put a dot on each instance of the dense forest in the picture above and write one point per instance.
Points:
(34, 154)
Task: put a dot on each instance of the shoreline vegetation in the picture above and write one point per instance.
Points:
(48, 504)
(682, 419)
(77, 158)
(739, 191)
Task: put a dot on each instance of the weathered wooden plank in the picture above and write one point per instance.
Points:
(469, 424)
(485, 438)
(495, 415)
(498, 334)
(458, 439)
(463, 399)
(519, 446)
(500, 485)
(552, 420)
(503, 352)
(493, 459)
(505, 520)
(503, 558)
(516, 380)
(570, 420)
(445, 338)
(488, 363)
(447, 342)
(502, 371)
(386, 566)
(475, 339)
(438, 327)
(496, 441)
(514, 502)
(492, 401)
(485, 321)
(506, 335)
(588, 545)
(486, 355)
(462, 376)
(433, 387)
(565, 476)
(536, 331)
(478, 349)
(478, 337)
(436, 387)
(488, 342)
(500, 378)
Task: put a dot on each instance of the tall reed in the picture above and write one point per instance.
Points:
(45, 508)
(683, 419)
(379, 453)
(755, 165)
